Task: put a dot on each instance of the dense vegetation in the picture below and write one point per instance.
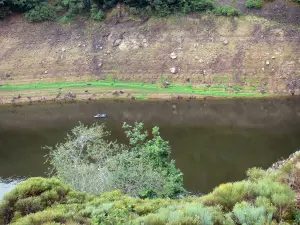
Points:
(265, 197)
(40, 10)
(88, 162)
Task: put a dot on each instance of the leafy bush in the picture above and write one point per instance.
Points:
(255, 173)
(73, 7)
(41, 12)
(188, 6)
(256, 4)
(96, 14)
(189, 213)
(226, 11)
(31, 196)
(229, 194)
(248, 214)
(89, 163)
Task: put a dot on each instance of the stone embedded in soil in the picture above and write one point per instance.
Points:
(225, 42)
(117, 42)
(63, 49)
(173, 70)
(267, 62)
(45, 72)
(173, 55)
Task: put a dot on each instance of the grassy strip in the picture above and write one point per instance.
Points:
(214, 90)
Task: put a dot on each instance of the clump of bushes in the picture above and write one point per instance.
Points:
(88, 162)
(73, 7)
(41, 12)
(31, 196)
(253, 4)
(96, 14)
(196, 6)
(37, 11)
(225, 11)
(245, 213)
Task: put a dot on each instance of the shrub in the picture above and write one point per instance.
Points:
(256, 4)
(229, 194)
(266, 203)
(57, 215)
(96, 14)
(248, 214)
(32, 195)
(89, 163)
(189, 213)
(196, 5)
(41, 12)
(281, 195)
(74, 7)
(225, 11)
(255, 173)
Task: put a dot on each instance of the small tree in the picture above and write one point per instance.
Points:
(88, 162)
(41, 12)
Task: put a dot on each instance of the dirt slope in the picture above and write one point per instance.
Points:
(247, 51)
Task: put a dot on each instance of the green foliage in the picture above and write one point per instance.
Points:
(88, 162)
(189, 214)
(96, 14)
(229, 194)
(276, 197)
(280, 194)
(188, 6)
(32, 196)
(255, 173)
(41, 12)
(25, 5)
(73, 7)
(226, 11)
(256, 4)
(246, 213)
(4, 9)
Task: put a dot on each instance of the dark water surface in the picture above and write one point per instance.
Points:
(213, 141)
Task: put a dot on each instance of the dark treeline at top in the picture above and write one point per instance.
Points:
(41, 10)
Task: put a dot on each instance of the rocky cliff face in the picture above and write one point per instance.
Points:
(249, 51)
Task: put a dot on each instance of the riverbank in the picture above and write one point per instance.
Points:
(199, 55)
(113, 89)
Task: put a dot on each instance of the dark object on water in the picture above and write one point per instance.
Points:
(103, 115)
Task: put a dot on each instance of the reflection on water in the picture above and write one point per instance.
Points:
(213, 141)
(6, 185)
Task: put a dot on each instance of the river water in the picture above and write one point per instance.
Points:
(213, 141)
